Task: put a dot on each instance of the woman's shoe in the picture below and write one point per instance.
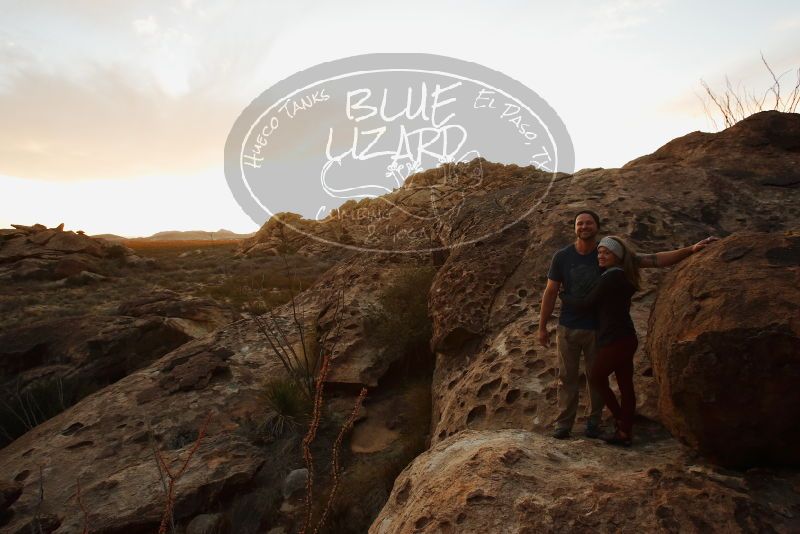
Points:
(619, 438)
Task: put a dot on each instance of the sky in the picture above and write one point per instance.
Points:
(114, 115)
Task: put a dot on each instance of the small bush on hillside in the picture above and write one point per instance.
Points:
(402, 324)
(736, 104)
(258, 292)
(290, 407)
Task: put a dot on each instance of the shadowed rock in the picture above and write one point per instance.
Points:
(725, 343)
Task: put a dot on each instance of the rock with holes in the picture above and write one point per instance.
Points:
(518, 481)
(725, 343)
(368, 330)
(490, 371)
(490, 230)
(9, 492)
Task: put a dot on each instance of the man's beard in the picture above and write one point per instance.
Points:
(587, 236)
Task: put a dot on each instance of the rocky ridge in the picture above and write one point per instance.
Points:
(38, 252)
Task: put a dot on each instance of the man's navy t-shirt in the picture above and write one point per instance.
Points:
(577, 273)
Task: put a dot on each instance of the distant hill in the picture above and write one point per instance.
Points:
(177, 235)
(110, 237)
(194, 235)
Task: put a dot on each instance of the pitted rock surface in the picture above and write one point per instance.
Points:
(522, 482)
(357, 359)
(656, 203)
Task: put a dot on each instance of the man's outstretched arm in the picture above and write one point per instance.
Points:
(671, 257)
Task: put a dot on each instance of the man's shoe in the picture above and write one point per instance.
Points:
(592, 431)
(561, 433)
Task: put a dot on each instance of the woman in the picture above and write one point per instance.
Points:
(616, 335)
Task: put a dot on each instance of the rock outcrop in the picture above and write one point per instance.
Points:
(522, 482)
(38, 252)
(490, 371)
(81, 354)
(763, 141)
(490, 231)
(106, 440)
(725, 343)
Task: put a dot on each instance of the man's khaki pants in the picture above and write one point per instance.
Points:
(571, 342)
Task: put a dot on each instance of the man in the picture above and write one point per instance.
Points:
(576, 267)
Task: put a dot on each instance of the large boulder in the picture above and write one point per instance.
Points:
(725, 344)
(522, 482)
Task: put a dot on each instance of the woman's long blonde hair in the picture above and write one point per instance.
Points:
(629, 264)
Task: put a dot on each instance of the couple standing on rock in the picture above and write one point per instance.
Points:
(596, 282)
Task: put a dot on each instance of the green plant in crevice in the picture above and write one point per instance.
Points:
(289, 406)
(401, 324)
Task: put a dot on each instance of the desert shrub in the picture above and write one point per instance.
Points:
(735, 104)
(289, 406)
(402, 324)
(258, 292)
(115, 252)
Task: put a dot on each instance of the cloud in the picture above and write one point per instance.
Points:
(109, 124)
(688, 103)
(147, 26)
(787, 23)
(613, 19)
(161, 99)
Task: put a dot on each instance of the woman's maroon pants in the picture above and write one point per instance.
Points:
(617, 358)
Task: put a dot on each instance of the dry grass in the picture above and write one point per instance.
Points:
(206, 271)
(147, 245)
(735, 104)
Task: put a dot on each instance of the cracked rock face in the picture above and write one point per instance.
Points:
(522, 482)
(725, 343)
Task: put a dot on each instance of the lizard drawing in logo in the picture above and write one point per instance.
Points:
(416, 198)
